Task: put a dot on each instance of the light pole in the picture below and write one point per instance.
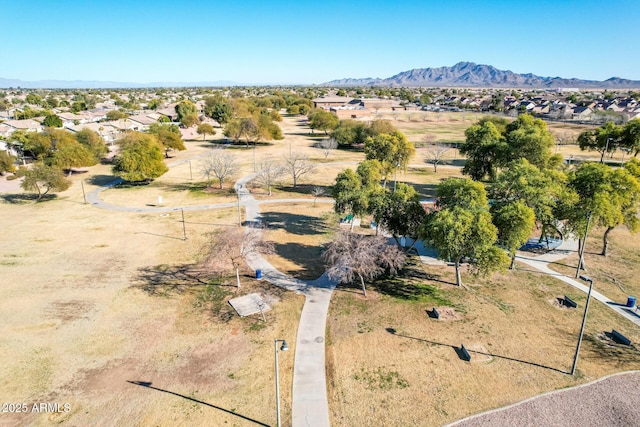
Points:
(584, 320)
(395, 178)
(283, 347)
(606, 148)
(624, 151)
(584, 244)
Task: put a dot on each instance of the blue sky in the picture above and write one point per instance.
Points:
(299, 42)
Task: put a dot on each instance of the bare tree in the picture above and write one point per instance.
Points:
(268, 173)
(316, 192)
(353, 256)
(296, 165)
(327, 145)
(219, 164)
(435, 152)
(231, 247)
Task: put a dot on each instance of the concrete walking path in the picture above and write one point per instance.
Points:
(541, 263)
(310, 406)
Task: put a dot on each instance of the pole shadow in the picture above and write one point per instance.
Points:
(160, 235)
(147, 384)
(458, 351)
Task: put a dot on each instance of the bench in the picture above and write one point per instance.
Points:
(569, 302)
(435, 314)
(465, 353)
(618, 337)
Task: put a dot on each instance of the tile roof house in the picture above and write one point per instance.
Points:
(27, 125)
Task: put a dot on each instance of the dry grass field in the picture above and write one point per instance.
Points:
(390, 364)
(107, 310)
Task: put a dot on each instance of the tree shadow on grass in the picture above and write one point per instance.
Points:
(101, 180)
(409, 284)
(302, 225)
(163, 280)
(147, 384)
(305, 256)
(424, 190)
(26, 198)
(460, 354)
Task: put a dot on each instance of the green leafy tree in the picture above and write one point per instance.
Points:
(515, 222)
(349, 133)
(401, 214)
(604, 139)
(462, 228)
(169, 136)
(540, 190)
(69, 154)
(483, 147)
(391, 150)
(322, 120)
(631, 136)
(7, 162)
(44, 179)
(140, 157)
(528, 138)
(185, 108)
(205, 129)
(611, 197)
(93, 141)
(249, 130)
(232, 130)
(116, 115)
(53, 121)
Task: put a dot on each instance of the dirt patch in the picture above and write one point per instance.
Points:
(448, 314)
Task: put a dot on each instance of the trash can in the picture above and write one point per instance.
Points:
(258, 274)
(631, 302)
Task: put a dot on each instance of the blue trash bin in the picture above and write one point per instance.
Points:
(258, 274)
(631, 302)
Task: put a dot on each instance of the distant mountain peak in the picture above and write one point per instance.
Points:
(470, 74)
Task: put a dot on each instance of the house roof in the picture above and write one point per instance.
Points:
(23, 124)
(143, 119)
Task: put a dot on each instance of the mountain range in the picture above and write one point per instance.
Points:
(469, 74)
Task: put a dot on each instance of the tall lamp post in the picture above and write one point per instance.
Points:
(283, 347)
(584, 320)
(584, 244)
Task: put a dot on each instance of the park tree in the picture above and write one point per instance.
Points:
(267, 128)
(483, 147)
(401, 214)
(434, 153)
(631, 136)
(349, 194)
(249, 130)
(297, 165)
(205, 129)
(542, 191)
(603, 139)
(190, 120)
(231, 246)
(354, 256)
(219, 164)
(269, 171)
(462, 228)
(169, 136)
(185, 108)
(7, 162)
(140, 158)
(528, 137)
(232, 130)
(349, 133)
(43, 179)
(322, 120)
(69, 154)
(514, 221)
(610, 197)
(327, 145)
(52, 121)
(93, 141)
(391, 150)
